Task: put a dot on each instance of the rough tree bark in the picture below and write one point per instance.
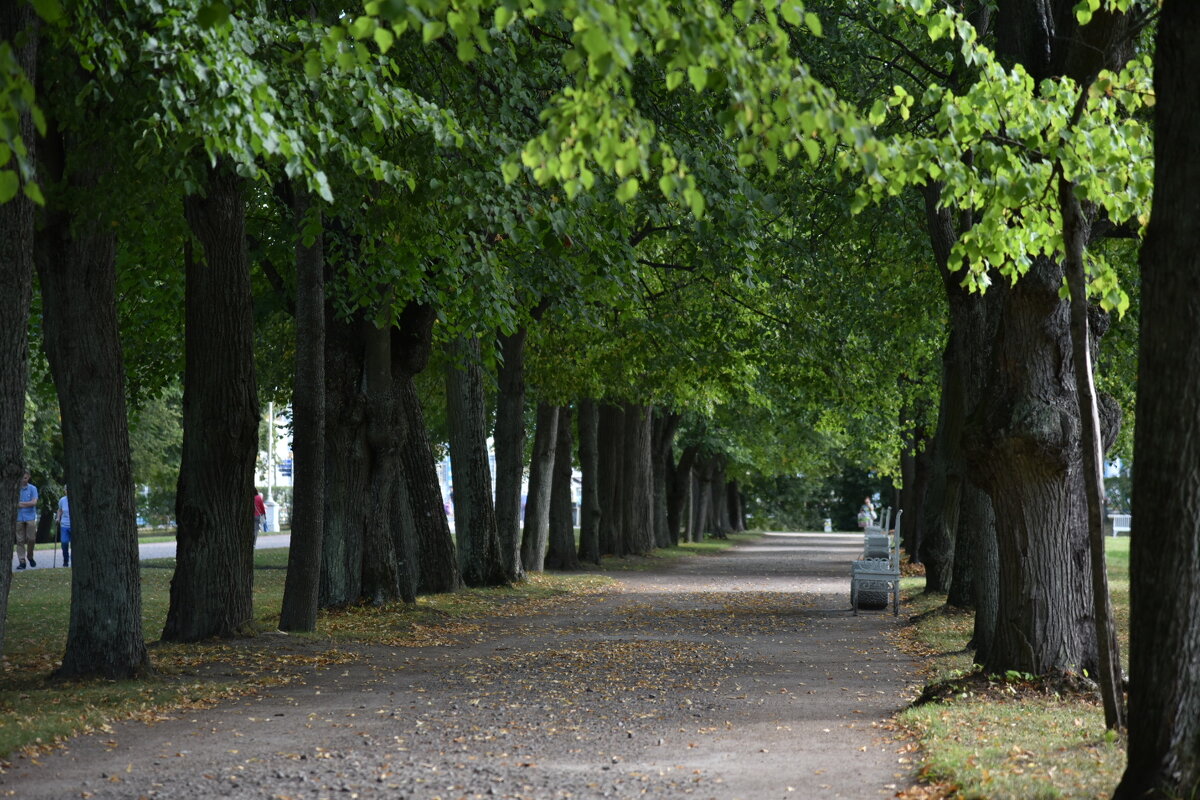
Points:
(479, 557)
(381, 564)
(936, 548)
(561, 553)
(541, 475)
(434, 565)
(1164, 639)
(16, 276)
(611, 438)
(212, 590)
(678, 491)
(76, 261)
(637, 492)
(701, 502)
(1023, 440)
(346, 465)
(589, 506)
(302, 586)
(719, 518)
(665, 426)
(737, 516)
(510, 449)
(1075, 231)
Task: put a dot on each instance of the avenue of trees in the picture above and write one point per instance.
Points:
(697, 249)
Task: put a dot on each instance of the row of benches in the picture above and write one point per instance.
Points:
(877, 573)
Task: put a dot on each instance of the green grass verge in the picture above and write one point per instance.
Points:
(1003, 739)
(37, 711)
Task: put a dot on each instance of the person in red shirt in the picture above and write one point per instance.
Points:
(260, 513)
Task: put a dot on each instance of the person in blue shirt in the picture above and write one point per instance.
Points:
(26, 521)
(63, 518)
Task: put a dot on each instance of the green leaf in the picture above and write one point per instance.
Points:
(362, 27)
(432, 30)
(674, 78)
(385, 39)
(813, 22)
(503, 16)
(698, 75)
(34, 193)
(511, 170)
(627, 190)
(213, 15)
(49, 10)
(8, 185)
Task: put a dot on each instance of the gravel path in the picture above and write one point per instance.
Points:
(740, 675)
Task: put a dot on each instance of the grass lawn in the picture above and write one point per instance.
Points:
(36, 711)
(1005, 739)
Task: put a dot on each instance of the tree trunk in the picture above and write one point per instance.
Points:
(1164, 639)
(941, 500)
(479, 557)
(301, 588)
(679, 492)
(914, 469)
(1076, 229)
(977, 512)
(436, 566)
(663, 464)
(589, 506)
(611, 463)
(1023, 444)
(76, 260)
(737, 517)
(716, 492)
(18, 23)
(347, 478)
(637, 494)
(561, 554)
(212, 590)
(916, 534)
(541, 475)
(701, 501)
(510, 450)
(968, 540)
(433, 566)
(381, 568)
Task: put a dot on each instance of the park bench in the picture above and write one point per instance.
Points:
(1121, 523)
(872, 576)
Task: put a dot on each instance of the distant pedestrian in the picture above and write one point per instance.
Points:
(866, 513)
(26, 521)
(260, 514)
(63, 518)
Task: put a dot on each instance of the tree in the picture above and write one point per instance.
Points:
(479, 557)
(18, 53)
(76, 258)
(302, 587)
(1164, 718)
(211, 592)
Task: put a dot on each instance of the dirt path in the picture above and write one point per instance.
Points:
(741, 675)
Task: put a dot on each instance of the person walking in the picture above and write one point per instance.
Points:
(866, 513)
(260, 513)
(26, 522)
(63, 518)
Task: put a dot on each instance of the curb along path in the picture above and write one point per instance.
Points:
(739, 675)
